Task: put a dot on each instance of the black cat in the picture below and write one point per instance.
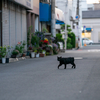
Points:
(65, 61)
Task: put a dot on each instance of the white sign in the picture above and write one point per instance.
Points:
(59, 15)
(25, 3)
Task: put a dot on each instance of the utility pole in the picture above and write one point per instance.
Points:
(66, 24)
(77, 13)
(77, 7)
(53, 18)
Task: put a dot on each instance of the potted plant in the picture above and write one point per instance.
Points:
(8, 54)
(33, 53)
(14, 53)
(40, 52)
(41, 55)
(44, 52)
(36, 53)
(20, 47)
(3, 54)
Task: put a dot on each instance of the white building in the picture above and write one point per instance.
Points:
(91, 20)
(69, 7)
(84, 5)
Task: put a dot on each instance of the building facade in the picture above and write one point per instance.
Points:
(13, 24)
(91, 25)
(33, 17)
(45, 14)
(69, 7)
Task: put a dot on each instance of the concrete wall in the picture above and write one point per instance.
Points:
(13, 24)
(96, 6)
(33, 17)
(95, 24)
(36, 6)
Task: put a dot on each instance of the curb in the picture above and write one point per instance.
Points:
(18, 59)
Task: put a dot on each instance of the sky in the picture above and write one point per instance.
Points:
(92, 1)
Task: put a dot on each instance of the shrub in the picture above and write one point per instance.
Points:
(59, 38)
(73, 40)
(69, 46)
(15, 52)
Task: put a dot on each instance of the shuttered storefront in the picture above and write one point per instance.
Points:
(14, 23)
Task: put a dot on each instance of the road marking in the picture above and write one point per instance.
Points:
(78, 58)
(95, 50)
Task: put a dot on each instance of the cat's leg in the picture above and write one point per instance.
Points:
(59, 65)
(65, 66)
(74, 66)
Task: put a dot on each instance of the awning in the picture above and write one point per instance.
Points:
(59, 22)
(59, 16)
(89, 29)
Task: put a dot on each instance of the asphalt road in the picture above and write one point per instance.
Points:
(39, 78)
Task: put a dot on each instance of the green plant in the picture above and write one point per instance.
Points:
(8, 51)
(44, 30)
(49, 46)
(63, 27)
(39, 50)
(55, 51)
(69, 46)
(69, 39)
(47, 53)
(20, 46)
(15, 52)
(43, 51)
(68, 26)
(35, 41)
(40, 35)
(3, 51)
(35, 51)
(29, 35)
(59, 38)
(73, 40)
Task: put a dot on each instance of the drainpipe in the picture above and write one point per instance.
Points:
(53, 18)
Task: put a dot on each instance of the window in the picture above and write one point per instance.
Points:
(90, 8)
(45, 1)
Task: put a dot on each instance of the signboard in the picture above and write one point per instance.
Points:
(84, 27)
(77, 17)
(26, 3)
(59, 15)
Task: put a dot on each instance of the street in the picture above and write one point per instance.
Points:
(39, 78)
